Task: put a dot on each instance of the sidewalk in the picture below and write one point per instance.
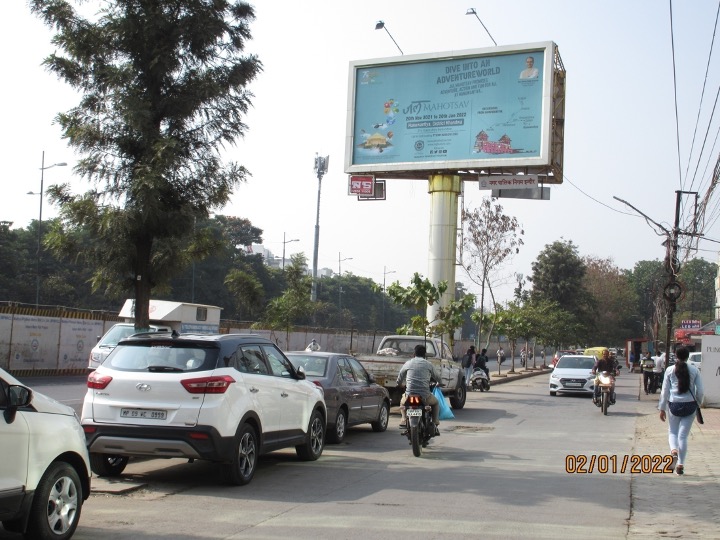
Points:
(671, 506)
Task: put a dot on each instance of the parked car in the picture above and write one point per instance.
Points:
(44, 464)
(558, 355)
(351, 395)
(109, 341)
(573, 374)
(224, 398)
(695, 359)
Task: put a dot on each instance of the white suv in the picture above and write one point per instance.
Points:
(224, 398)
(44, 464)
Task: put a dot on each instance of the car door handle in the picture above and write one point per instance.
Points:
(284, 394)
(254, 390)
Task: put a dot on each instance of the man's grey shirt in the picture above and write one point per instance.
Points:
(419, 372)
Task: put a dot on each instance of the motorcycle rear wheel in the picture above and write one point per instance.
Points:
(415, 440)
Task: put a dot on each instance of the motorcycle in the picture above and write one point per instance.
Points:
(604, 381)
(479, 380)
(420, 427)
(654, 382)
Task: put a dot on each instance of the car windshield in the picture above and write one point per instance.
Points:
(162, 357)
(314, 366)
(575, 362)
(115, 334)
(695, 357)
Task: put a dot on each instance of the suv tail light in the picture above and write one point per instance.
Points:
(208, 385)
(97, 381)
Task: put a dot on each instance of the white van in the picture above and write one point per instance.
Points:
(111, 338)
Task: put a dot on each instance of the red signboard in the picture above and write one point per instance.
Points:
(362, 185)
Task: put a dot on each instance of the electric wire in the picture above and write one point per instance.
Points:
(677, 121)
(702, 94)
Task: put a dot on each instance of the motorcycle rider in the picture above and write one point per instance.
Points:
(605, 363)
(419, 372)
(481, 362)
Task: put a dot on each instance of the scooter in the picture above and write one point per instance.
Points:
(420, 427)
(479, 380)
(604, 381)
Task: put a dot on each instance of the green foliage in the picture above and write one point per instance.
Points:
(558, 276)
(163, 89)
(294, 305)
(418, 296)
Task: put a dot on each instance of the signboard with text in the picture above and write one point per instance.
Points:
(475, 109)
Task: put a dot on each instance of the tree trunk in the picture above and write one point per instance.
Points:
(143, 285)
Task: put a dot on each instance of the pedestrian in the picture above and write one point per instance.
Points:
(648, 366)
(313, 346)
(682, 393)
(500, 355)
(632, 362)
(468, 363)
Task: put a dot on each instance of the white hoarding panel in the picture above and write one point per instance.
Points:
(5, 332)
(710, 371)
(77, 338)
(34, 343)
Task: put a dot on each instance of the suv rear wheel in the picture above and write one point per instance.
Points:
(108, 464)
(314, 439)
(457, 399)
(242, 467)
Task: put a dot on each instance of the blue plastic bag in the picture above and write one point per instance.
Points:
(445, 410)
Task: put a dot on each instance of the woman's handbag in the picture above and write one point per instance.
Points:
(699, 413)
(683, 408)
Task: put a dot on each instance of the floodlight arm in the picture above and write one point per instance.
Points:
(381, 26)
(471, 11)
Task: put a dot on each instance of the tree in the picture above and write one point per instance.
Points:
(163, 84)
(698, 302)
(558, 274)
(418, 296)
(614, 297)
(648, 279)
(512, 321)
(490, 238)
(294, 306)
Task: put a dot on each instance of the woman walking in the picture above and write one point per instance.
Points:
(682, 394)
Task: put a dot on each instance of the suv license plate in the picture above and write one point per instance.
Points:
(149, 414)
(414, 412)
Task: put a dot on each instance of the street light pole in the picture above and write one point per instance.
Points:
(286, 242)
(340, 291)
(385, 273)
(321, 166)
(39, 238)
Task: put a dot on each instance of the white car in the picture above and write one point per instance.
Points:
(109, 341)
(695, 359)
(573, 375)
(223, 398)
(44, 464)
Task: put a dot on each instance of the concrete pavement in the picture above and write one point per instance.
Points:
(672, 506)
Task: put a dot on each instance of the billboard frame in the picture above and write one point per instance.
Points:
(550, 160)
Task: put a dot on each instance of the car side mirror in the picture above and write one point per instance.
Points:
(300, 373)
(371, 379)
(17, 396)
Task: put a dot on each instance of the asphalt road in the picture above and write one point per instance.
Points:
(498, 470)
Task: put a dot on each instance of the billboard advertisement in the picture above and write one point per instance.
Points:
(475, 109)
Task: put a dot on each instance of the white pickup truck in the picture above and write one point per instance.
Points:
(395, 350)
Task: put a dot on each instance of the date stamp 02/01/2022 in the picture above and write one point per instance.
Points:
(614, 464)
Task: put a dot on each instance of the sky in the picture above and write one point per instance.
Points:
(624, 136)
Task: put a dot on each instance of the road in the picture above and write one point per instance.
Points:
(498, 470)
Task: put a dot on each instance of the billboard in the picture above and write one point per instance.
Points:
(484, 109)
